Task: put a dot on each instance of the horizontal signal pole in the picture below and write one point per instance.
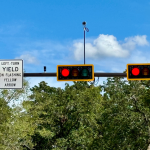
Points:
(40, 75)
(55, 74)
(110, 75)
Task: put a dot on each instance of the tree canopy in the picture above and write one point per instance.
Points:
(78, 117)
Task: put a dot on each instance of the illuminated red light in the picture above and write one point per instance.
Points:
(135, 71)
(65, 72)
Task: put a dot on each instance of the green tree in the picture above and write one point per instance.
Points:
(14, 123)
(79, 117)
(5, 114)
(65, 119)
(125, 120)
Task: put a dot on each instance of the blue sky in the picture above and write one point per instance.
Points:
(50, 33)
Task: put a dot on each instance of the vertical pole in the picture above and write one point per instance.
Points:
(84, 45)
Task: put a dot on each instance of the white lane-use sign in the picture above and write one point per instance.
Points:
(11, 74)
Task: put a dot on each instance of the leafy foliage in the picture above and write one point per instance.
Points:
(66, 118)
(14, 125)
(126, 118)
(78, 117)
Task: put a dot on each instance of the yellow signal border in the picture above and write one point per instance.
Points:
(137, 78)
(76, 66)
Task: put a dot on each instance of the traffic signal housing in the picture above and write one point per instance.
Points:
(83, 72)
(138, 71)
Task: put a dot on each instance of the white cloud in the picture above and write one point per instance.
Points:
(132, 42)
(108, 46)
(12, 29)
(28, 59)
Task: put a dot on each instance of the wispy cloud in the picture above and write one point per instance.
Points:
(41, 52)
(132, 42)
(12, 29)
(104, 51)
(28, 59)
(107, 46)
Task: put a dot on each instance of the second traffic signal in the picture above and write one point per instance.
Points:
(138, 71)
(75, 72)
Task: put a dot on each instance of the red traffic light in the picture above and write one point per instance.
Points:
(135, 71)
(138, 71)
(75, 72)
(65, 72)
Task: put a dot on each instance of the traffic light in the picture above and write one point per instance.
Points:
(83, 72)
(138, 71)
